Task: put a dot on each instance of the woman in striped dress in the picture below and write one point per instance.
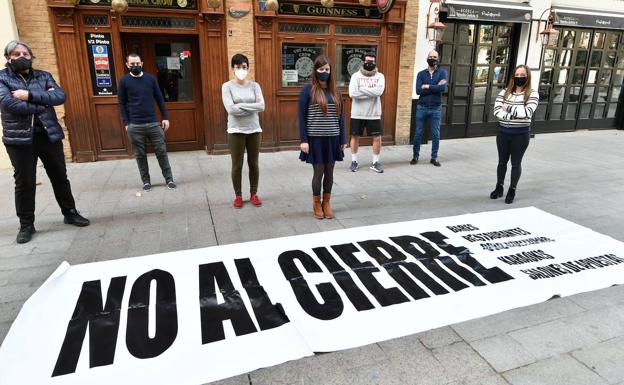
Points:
(322, 131)
(514, 108)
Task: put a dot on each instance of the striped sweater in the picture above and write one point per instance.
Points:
(314, 122)
(517, 118)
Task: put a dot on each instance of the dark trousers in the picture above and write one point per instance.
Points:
(238, 143)
(24, 161)
(153, 132)
(512, 146)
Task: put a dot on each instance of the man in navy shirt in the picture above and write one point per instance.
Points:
(430, 84)
(138, 94)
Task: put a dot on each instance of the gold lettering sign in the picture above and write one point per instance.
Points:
(177, 4)
(337, 11)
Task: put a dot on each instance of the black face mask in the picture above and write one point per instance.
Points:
(369, 65)
(520, 80)
(432, 62)
(21, 64)
(136, 70)
(322, 76)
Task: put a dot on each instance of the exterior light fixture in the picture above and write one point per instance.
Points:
(549, 36)
(435, 29)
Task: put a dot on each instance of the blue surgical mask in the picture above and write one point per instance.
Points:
(322, 76)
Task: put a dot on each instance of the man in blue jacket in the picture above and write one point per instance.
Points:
(31, 131)
(431, 83)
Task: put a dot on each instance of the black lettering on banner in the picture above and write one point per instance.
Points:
(211, 276)
(138, 340)
(365, 272)
(332, 305)
(430, 258)
(394, 265)
(269, 316)
(103, 324)
(493, 274)
(344, 280)
(462, 228)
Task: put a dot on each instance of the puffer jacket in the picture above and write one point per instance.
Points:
(18, 116)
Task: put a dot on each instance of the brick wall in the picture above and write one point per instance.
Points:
(406, 73)
(34, 27)
(240, 35)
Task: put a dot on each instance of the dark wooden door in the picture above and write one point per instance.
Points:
(174, 61)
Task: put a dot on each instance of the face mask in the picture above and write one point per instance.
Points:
(240, 73)
(21, 64)
(432, 62)
(520, 80)
(322, 76)
(369, 65)
(136, 70)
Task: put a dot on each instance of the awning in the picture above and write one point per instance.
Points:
(575, 17)
(497, 11)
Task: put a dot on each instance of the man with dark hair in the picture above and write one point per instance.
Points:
(31, 131)
(365, 89)
(138, 92)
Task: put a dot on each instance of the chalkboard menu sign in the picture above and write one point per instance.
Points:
(101, 64)
(175, 4)
(298, 62)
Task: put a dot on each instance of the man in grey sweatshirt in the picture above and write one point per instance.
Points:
(365, 89)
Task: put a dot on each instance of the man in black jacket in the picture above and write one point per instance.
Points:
(30, 131)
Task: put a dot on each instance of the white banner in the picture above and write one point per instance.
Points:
(196, 316)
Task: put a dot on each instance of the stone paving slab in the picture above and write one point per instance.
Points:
(578, 176)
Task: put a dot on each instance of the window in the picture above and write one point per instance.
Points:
(298, 62)
(349, 59)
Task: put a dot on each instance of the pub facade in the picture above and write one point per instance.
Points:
(187, 46)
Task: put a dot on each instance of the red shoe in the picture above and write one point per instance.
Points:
(238, 202)
(255, 200)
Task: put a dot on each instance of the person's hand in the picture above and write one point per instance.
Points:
(343, 146)
(20, 94)
(442, 82)
(165, 125)
(305, 147)
(425, 86)
(505, 107)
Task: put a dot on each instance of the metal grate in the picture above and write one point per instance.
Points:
(304, 28)
(358, 30)
(95, 20)
(157, 22)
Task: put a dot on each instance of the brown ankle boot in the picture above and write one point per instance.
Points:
(316, 206)
(327, 210)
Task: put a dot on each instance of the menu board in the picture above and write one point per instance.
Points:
(102, 67)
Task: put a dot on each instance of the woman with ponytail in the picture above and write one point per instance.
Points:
(514, 108)
(322, 131)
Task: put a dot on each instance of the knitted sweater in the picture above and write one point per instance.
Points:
(517, 118)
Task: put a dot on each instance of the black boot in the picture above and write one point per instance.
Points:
(498, 192)
(74, 218)
(511, 194)
(25, 233)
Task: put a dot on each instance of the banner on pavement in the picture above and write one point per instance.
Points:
(196, 316)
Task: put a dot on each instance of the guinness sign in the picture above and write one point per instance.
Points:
(336, 11)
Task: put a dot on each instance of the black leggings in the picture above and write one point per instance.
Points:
(324, 173)
(512, 146)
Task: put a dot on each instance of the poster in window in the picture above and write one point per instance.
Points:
(300, 58)
(352, 59)
(102, 67)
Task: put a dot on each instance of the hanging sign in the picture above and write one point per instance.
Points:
(488, 11)
(101, 64)
(583, 18)
(196, 316)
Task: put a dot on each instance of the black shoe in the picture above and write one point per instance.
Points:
(435, 163)
(511, 194)
(25, 234)
(74, 218)
(413, 161)
(147, 187)
(498, 192)
(171, 185)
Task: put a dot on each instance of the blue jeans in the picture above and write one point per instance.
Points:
(422, 114)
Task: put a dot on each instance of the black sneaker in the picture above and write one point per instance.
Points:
(25, 234)
(74, 218)
(354, 166)
(171, 185)
(377, 167)
(435, 163)
(413, 161)
(147, 187)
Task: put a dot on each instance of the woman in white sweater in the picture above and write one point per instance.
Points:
(514, 108)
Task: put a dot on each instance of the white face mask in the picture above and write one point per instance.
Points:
(240, 73)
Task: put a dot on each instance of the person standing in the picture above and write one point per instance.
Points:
(431, 83)
(243, 101)
(514, 107)
(365, 88)
(138, 92)
(322, 132)
(31, 131)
